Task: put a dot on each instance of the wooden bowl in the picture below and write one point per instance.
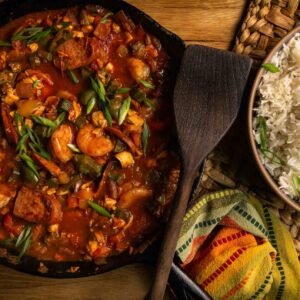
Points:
(272, 183)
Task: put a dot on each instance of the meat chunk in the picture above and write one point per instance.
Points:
(53, 209)
(102, 31)
(72, 54)
(25, 89)
(7, 192)
(29, 206)
(9, 128)
(36, 207)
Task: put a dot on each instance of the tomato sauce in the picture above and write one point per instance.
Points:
(86, 165)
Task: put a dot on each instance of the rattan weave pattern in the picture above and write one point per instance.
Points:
(266, 22)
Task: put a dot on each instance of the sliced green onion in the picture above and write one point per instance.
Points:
(272, 157)
(148, 103)
(44, 121)
(85, 96)
(99, 209)
(36, 83)
(262, 125)
(25, 245)
(124, 110)
(72, 76)
(98, 88)
(147, 84)
(59, 119)
(296, 183)
(4, 44)
(91, 104)
(145, 138)
(122, 91)
(104, 19)
(107, 115)
(23, 236)
(28, 175)
(32, 34)
(29, 162)
(101, 89)
(40, 150)
(270, 68)
(19, 124)
(21, 146)
(73, 148)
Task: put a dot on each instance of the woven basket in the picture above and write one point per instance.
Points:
(266, 22)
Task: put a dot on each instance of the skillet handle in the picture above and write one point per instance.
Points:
(187, 288)
(171, 234)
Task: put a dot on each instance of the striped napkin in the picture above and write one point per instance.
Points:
(235, 248)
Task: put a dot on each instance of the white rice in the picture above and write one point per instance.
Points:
(279, 104)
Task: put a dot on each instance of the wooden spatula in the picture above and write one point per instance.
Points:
(207, 98)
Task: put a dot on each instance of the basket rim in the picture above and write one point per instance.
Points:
(267, 176)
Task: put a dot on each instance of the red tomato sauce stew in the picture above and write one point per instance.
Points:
(86, 166)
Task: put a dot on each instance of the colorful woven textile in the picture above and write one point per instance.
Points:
(235, 248)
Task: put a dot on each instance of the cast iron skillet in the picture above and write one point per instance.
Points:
(12, 9)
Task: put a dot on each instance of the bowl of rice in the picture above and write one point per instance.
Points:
(274, 119)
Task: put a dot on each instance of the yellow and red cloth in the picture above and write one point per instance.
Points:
(235, 248)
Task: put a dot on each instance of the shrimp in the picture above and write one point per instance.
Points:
(138, 69)
(93, 142)
(61, 137)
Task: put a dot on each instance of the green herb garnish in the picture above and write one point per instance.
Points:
(32, 34)
(36, 83)
(147, 84)
(43, 121)
(296, 183)
(107, 115)
(23, 241)
(29, 162)
(122, 91)
(21, 146)
(145, 138)
(272, 157)
(124, 109)
(104, 19)
(270, 68)
(99, 209)
(72, 76)
(91, 104)
(262, 126)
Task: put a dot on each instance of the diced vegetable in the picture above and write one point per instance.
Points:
(124, 110)
(147, 84)
(65, 105)
(87, 166)
(99, 209)
(86, 96)
(125, 158)
(72, 76)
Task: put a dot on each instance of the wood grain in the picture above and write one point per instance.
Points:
(204, 111)
(207, 22)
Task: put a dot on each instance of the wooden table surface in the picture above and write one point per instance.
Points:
(206, 22)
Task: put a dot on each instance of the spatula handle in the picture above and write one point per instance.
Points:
(171, 234)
